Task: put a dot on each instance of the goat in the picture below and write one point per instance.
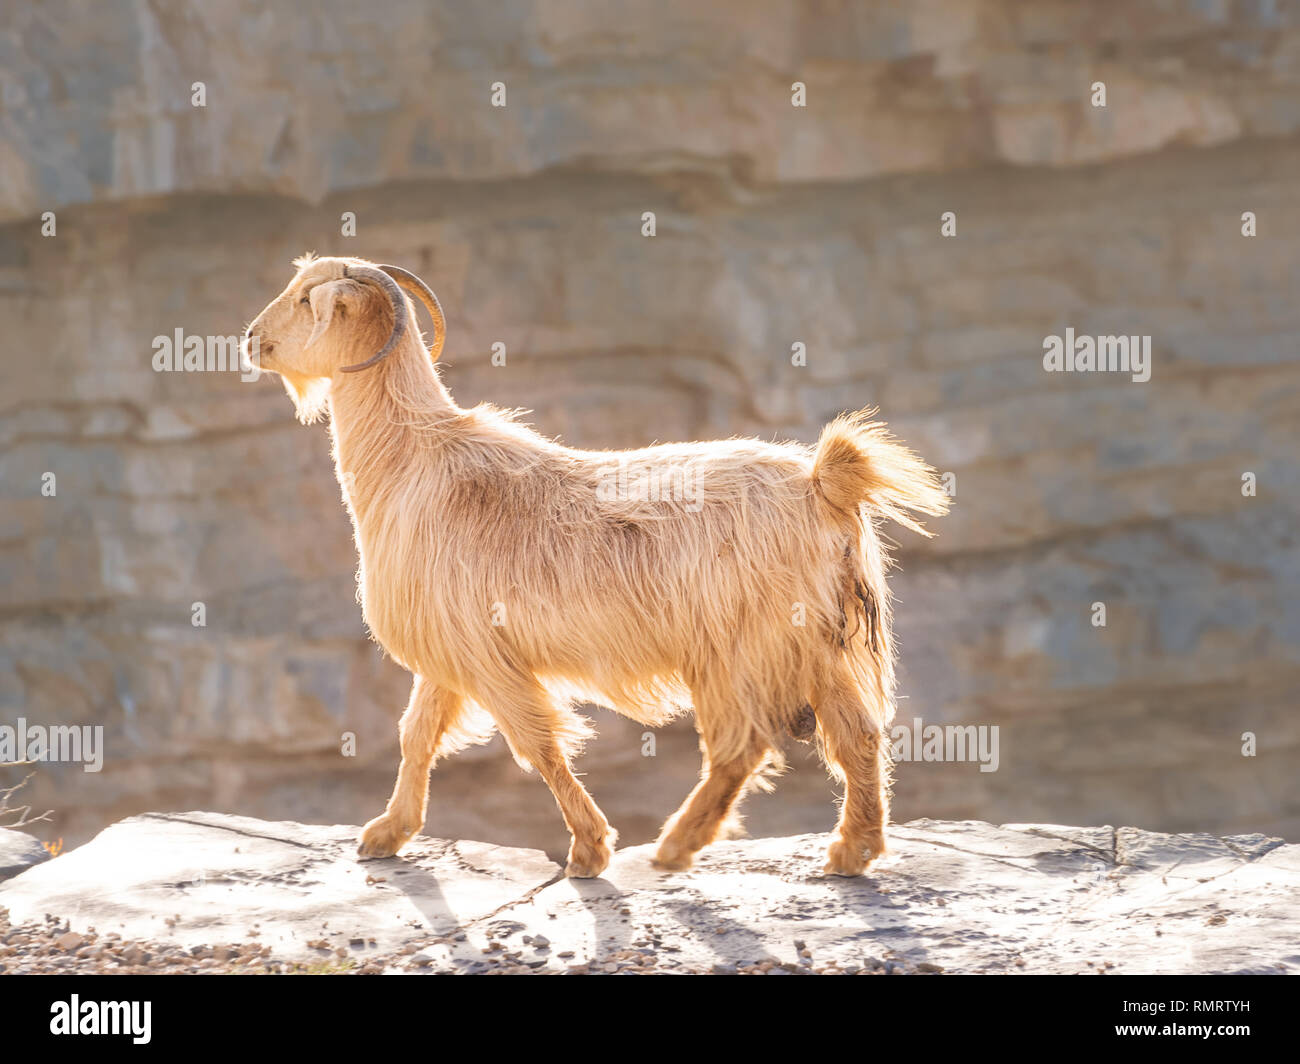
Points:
(516, 577)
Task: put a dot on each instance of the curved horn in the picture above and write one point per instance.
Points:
(394, 294)
(425, 294)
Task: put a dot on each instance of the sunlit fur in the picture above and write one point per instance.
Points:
(499, 568)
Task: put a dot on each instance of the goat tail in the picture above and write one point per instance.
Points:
(858, 460)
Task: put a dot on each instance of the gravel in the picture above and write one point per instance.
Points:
(52, 947)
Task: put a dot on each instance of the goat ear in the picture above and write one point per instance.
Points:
(324, 298)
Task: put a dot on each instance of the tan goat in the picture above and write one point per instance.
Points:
(519, 577)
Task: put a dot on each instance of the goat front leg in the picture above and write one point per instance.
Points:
(431, 711)
(535, 726)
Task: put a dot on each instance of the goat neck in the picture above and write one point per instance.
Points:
(384, 420)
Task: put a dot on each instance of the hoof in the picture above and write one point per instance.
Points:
(671, 858)
(844, 859)
(382, 838)
(587, 861)
(586, 867)
(583, 870)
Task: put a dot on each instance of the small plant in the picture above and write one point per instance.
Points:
(18, 816)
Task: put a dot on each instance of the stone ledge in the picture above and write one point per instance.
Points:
(956, 897)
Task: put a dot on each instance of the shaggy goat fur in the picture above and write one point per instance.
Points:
(516, 577)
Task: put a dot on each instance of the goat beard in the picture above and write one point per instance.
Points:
(310, 395)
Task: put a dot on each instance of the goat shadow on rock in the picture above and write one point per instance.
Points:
(421, 887)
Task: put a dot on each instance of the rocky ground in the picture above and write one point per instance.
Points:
(206, 893)
(52, 948)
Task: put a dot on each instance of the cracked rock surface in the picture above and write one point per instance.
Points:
(210, 892)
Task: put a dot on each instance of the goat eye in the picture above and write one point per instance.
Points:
(305, 299)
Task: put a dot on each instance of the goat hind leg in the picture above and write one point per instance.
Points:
(855, 747)
(708, 808)
(428, 714)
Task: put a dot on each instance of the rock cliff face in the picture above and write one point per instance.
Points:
(100, 108)
(197, 891)
(775, 226)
